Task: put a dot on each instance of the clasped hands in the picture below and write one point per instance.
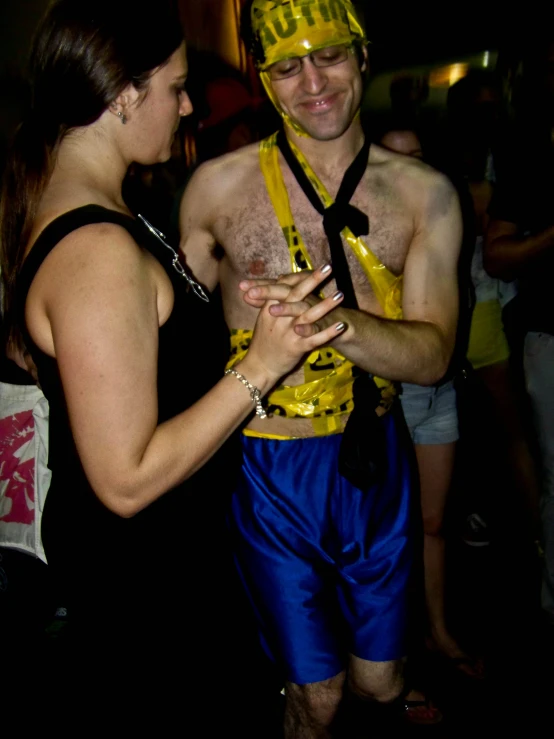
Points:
(292, 295)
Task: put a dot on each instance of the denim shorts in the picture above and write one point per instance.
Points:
(431, 413)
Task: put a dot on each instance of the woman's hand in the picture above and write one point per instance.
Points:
(288, 325)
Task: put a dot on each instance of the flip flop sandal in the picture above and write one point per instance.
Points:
(422, 713)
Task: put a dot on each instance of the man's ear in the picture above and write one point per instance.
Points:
(364, 60)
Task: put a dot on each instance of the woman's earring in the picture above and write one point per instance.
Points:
(122, 117)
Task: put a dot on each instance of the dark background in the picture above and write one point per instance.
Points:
(410, 34)
(401, 33)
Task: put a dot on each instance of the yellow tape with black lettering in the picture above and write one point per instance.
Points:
(326, 393)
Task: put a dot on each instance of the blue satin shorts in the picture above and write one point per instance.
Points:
(326, 566)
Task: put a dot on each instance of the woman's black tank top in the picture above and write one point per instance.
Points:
(85, 542)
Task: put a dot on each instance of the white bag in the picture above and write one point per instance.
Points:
(24, 475)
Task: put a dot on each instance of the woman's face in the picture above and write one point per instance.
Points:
(154, 119)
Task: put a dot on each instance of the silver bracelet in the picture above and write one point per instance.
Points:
(254, 392)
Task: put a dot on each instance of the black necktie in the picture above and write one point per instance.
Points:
(362, 456)
(337, 216)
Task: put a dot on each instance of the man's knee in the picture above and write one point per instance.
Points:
(319, 701)
(378, 681)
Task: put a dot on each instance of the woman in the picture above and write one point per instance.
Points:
(130, 356)
(432, 419)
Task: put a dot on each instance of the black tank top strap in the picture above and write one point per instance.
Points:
(61, 227)
(57, 230)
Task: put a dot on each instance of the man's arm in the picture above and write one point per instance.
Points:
(195, 226)
(507, 254)
(417, 349)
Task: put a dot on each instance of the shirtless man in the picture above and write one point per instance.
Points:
(326, 563)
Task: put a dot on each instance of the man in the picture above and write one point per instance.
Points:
(520, 245)
(325, 560)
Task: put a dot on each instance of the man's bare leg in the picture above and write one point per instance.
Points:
(380, 682)
(310, 709)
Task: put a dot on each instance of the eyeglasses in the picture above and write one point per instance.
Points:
(327, 57)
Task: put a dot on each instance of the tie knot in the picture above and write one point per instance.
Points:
(339, 215)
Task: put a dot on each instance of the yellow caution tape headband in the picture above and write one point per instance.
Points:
(286, 28)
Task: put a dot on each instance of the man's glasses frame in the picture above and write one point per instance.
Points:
(328, 56)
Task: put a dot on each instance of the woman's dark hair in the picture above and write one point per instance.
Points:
(85, 53)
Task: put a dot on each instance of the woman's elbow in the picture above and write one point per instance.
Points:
(118, 499)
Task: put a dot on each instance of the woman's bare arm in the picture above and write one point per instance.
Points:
(101, 299)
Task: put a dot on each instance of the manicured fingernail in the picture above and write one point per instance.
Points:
(326, 268)
(254, 292)
(340, 327)
(275, 309)
(338, 296)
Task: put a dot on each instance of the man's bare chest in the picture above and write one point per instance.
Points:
(255, 246)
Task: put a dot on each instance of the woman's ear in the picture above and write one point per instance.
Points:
(123, 104)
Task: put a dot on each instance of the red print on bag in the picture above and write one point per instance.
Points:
(17, 468)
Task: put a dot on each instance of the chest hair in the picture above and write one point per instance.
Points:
(256, 247)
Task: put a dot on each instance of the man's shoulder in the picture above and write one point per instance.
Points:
(228, 168)
(394, 164)
(218, 185)
(408, 175)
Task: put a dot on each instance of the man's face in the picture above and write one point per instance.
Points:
(322, 100)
